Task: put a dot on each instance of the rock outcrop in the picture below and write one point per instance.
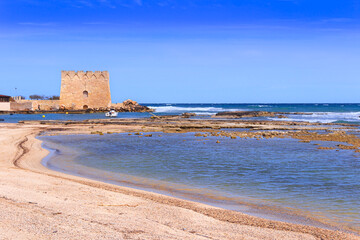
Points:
(188, 115)
(130, 106)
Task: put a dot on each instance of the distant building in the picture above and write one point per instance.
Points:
(4, 103)
(4, 98)
(18, 98)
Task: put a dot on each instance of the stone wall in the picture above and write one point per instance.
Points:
(44, 105)
(4, 106)
(21, 106)
(82, 90)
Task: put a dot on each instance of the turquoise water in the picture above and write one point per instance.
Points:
(320, 112)
(324, 184)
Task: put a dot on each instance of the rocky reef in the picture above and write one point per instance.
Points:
(252, 114)
(246, 114)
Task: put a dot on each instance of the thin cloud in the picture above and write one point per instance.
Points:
(44, 24)
(337, 20)
(96, 23)
(138, 2)
(107, 3)
(293, 1)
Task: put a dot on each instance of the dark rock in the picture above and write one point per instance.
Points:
(187, 115)
(244, 114)
(164, 117)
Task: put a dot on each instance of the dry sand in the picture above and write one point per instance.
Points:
(38, 203)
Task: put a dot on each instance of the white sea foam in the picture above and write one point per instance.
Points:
(204, 113)
(321, 117)
(198, 110)
(324, 117)
(260, 105)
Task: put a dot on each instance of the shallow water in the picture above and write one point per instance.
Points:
(324, 184)
(65, 117)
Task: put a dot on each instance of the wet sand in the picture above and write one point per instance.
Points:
(38, 203)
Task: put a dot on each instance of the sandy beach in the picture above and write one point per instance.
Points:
(173, 119)
(38, 203)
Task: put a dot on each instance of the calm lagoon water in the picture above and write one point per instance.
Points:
(277, 172)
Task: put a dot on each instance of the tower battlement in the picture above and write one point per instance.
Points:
(88, 74)
(85, 89)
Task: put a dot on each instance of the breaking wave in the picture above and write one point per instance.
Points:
(197, 110)
(324, 117)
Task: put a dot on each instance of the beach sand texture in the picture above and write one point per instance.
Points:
(38, 203)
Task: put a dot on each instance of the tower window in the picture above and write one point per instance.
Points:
(85, 94)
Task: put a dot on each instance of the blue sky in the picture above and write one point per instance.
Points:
(186, 51)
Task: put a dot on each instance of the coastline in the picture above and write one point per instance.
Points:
(57, 199)
(61, 159)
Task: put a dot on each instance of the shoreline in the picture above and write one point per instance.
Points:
(25, 158)
(253, 207)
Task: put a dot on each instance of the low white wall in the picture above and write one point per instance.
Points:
(4, 106)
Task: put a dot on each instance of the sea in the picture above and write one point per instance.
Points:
(316, 112)
(281, 179)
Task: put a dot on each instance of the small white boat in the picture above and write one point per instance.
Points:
(111, 113)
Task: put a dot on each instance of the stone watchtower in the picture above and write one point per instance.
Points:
(83, 90)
